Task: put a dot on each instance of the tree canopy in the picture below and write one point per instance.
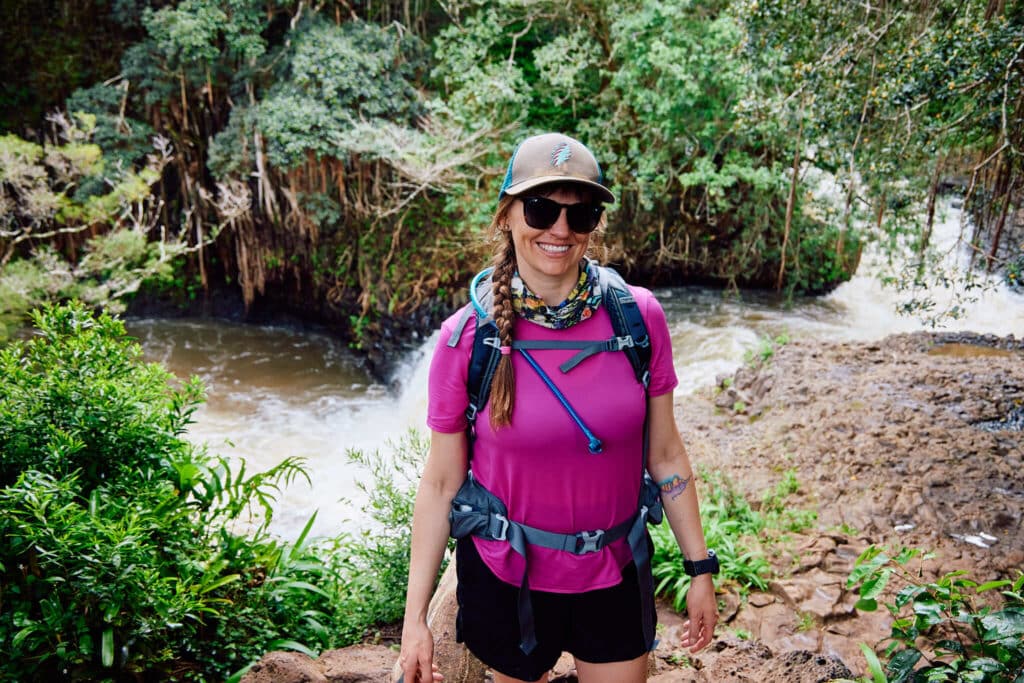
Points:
(340, 159)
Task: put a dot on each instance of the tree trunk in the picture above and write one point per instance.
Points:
(791, 202)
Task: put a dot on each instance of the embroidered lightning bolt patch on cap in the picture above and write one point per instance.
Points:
(553, 158)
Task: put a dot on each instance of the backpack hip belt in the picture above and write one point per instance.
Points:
(477, 512)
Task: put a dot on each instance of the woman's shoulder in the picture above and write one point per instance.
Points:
(641, 293)
(460, 326)
(645, 298)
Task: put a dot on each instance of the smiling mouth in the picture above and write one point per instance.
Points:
(554, 248)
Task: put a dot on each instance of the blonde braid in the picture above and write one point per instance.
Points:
(503, 386)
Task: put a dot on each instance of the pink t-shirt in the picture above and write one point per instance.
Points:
(540, 466)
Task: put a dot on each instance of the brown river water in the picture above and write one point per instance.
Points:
(278, 392)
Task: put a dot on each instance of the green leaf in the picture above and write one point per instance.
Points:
(222, 581)
(283, 644)
(905, 555)
(901, 666)
(873, 586)
(107, 647)
(237, 676)
(869, 605)
(1005, 624)
(928, 611)
(301, 585)
(21, 635)
(986, 664)
(992, 585)
(296, 549)
(874, 666)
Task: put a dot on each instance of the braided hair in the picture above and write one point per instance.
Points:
(503, 385)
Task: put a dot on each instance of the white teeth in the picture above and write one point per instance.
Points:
(552, 249)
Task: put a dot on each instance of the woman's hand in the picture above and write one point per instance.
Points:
(417, 655)
(702, 610)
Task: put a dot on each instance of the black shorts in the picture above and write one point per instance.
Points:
(597, 626)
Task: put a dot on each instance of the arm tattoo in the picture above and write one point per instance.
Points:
(673, 486)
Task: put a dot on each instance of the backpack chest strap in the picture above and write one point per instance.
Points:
(586, 348)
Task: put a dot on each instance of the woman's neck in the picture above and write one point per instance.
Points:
(553, 290)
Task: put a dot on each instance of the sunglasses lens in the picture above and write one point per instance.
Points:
(541, 213)
(583, 218)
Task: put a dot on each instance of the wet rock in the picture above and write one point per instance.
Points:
(882, 436)
(804, 667)
(728, 605)
(814, 553)
(1012, 422)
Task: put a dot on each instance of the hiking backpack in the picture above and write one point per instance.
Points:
(476, 511)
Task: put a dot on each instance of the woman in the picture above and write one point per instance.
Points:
(520, 608)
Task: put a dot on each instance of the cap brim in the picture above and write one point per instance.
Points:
(519, 188)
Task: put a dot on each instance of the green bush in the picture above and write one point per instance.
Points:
(942, 630)
(127, 553)
(375, 562)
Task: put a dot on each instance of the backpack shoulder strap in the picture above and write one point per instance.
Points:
(483, 360)
(627, 321)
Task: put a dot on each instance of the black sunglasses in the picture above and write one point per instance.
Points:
(541, 213)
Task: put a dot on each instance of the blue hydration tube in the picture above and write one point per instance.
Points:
(473, 286)
(593, 443)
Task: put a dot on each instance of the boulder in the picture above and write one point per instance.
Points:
(453, 659)
(355, 664)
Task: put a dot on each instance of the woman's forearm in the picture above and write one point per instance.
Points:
(677, 482)
(670, 467)
(430, 530)
(443, 474)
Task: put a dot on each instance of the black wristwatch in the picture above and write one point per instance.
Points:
(708, 566)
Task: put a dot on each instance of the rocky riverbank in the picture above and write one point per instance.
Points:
(912, 441)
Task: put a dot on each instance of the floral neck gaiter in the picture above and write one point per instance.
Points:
(583, 300)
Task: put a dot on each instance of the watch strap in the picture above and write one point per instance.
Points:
(698, 567)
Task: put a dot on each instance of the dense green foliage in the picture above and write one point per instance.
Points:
(898, 100)
(340, 160)
(127, 553)
(942, 630)
(90, 222)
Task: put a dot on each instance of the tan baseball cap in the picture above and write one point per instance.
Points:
(553, 158)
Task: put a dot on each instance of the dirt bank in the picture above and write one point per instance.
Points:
(915, 441)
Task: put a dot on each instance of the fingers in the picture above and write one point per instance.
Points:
(412, 670)
(699, 630)
(699, 638)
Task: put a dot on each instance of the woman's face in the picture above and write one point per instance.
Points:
(548, 259)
